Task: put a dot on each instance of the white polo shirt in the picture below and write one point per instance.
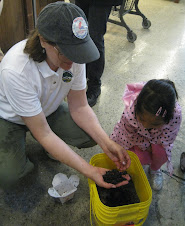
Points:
(28, 87)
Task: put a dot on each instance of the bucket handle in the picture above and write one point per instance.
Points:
(91, 195)
(91, 191)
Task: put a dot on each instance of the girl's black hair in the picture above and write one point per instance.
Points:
(158, 93)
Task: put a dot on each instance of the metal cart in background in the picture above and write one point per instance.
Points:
(131, 7)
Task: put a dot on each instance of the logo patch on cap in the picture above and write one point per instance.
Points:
(67, 76)
(80, 28)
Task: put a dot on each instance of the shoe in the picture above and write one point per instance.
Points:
(156, 179)
(182, 162)
(92, 95)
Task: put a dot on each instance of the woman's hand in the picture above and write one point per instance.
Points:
(118, 155)
(97, 177)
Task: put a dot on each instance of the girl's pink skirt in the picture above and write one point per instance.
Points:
(155, 159)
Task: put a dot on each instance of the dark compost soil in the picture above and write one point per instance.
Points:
(120, 196)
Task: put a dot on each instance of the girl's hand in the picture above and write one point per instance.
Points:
(97, 177)
(118, 155)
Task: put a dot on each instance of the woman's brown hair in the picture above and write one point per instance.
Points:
(33, 47)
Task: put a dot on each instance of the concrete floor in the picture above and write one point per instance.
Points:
(158, 52)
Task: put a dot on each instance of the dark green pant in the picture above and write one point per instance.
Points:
(14, 163)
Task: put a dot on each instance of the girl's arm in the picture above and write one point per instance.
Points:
(126, 132)
(171, 130)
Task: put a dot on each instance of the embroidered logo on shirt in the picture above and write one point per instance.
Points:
(67, 76)
(79, 28)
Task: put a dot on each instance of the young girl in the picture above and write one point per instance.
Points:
(149, 124)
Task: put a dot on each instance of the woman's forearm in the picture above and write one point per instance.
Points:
(86, 119)
(62, 152)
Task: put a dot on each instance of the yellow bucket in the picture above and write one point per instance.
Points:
(121, 215)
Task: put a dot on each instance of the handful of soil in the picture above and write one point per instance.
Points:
(123, 195)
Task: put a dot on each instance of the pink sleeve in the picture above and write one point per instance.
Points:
(125, 133)
(170, 133)
(120, 135)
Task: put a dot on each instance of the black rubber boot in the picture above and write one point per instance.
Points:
(182, 162)
(93, 94)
